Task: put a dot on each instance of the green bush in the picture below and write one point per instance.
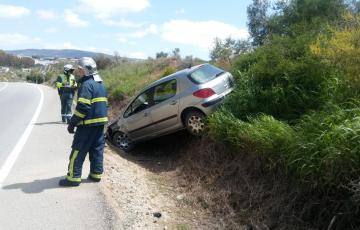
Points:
(281, 79)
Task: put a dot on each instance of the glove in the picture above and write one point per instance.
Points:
(71, 128)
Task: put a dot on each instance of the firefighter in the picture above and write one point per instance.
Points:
(66, 85)
(90, 117)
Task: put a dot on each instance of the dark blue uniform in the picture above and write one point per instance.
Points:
(66, 86)
(90, 117)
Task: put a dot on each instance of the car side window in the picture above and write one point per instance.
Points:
(143, 101)
(164, 91)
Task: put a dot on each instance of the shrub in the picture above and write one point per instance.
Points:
(168, 71)
(282, 79)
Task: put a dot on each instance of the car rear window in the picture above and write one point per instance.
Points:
(205, 73)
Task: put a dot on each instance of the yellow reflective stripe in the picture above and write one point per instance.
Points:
(99, 99)
(89, 102)
(77, 113)
(84, 100)
(58, 84)
(96, 120)
(70, 177)
(73, 179)
(96, 176)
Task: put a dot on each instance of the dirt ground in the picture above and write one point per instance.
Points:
(143, 184)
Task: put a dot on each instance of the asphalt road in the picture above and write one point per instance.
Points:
(34, 151)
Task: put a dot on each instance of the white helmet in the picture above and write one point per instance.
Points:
(68, 68)
(89, 65)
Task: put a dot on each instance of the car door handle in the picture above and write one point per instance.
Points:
(173, 102)
(146, 114)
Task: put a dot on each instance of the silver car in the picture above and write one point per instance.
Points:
(179, 101)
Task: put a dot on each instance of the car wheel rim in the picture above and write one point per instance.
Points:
(123, 141)
(196, 124)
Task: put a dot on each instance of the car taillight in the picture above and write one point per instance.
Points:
(204, 93)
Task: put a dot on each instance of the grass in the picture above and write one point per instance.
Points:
(327, 151)
(322, 150)
(127, 78)
(262, 135)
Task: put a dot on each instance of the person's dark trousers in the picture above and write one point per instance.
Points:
(66, 104)
(87, 140)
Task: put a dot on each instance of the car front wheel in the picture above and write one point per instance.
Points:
(123, 141)
(195, 123)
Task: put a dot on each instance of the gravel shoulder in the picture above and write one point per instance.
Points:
(141, 187)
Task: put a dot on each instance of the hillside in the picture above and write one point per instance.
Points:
(65, 53)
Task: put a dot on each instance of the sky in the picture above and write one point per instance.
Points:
(132, 28)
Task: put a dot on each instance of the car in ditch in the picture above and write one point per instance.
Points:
(179, 101)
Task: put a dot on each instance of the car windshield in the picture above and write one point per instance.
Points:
(205, 73)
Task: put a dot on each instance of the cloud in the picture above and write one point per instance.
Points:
(199, 34)
(16, 39)
(46, 14)
(73, 19)
(123, 23)
(150, 30)
(10, 11)
(108, 8)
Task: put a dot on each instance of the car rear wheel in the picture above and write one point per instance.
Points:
(123, 141)
(195, 123)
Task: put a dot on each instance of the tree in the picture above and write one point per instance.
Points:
(103, 62)
(354, 6)
(225, 51)
(161, 54)
(14, 61)
(342, 49)
(176, 53)
(26, 62)
(117, 57)
(295, 17)
(258, 21)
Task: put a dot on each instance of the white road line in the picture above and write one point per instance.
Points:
(10, 161)
(5, 85)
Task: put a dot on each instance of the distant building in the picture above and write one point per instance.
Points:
(26, 70)
(44, 62)
(4, 69)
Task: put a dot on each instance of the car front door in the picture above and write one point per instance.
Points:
(165, 110)
(137, 117)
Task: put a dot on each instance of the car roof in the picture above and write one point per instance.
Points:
(181, 73)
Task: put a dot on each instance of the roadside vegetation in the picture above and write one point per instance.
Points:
(283, 152)
(296, 106)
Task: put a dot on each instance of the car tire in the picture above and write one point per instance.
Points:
(195, 123)
(123, 142)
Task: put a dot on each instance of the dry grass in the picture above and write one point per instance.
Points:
(242, 195)
(116, 107)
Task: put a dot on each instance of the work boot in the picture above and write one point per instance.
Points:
(94, 179)
(67, 183)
